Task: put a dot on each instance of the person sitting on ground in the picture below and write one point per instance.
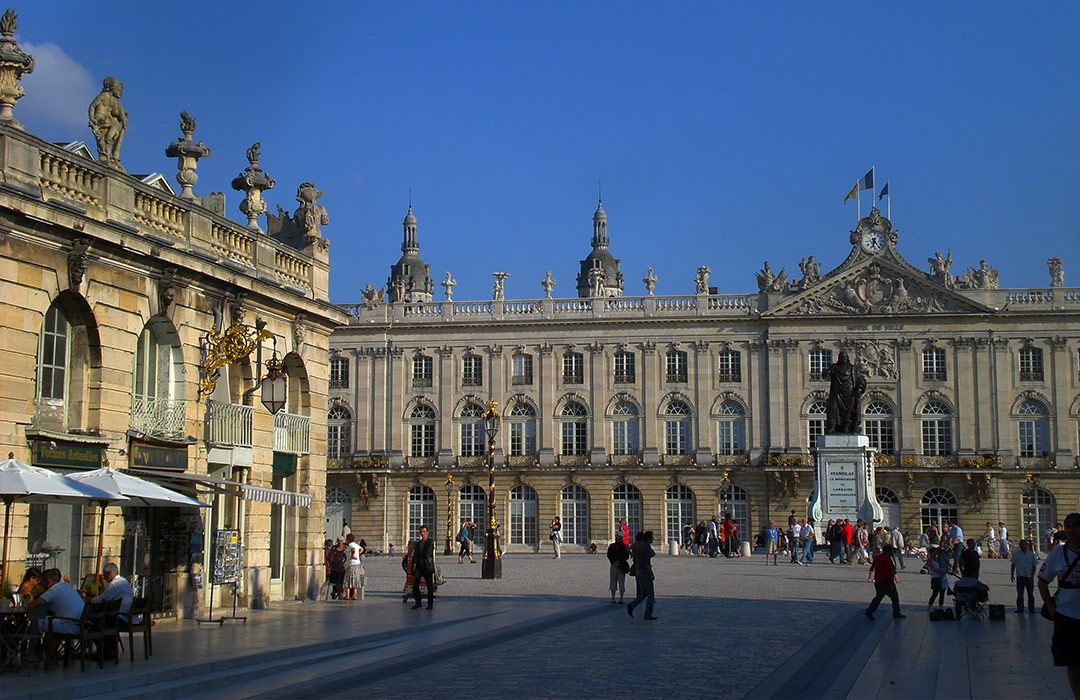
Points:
(969, 561)
(118, 589)
(61, 600)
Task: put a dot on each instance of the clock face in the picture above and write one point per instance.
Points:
(873, 241)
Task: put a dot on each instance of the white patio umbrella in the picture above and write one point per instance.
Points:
(128, 490)
(29, 484)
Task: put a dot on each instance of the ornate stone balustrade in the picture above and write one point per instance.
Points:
(232, 243)
(292, 269)
(158, 213)
(64, 173)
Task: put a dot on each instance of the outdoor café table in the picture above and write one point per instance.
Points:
(17, 630)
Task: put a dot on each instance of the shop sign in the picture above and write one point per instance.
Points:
(56, 454)
(155, 457)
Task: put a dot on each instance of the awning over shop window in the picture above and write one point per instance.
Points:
(248, 492)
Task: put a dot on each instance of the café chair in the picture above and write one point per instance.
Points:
(71, 641)
(140, 611)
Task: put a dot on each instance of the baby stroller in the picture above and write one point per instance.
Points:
(969, 596)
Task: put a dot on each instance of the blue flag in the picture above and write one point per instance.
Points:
(884, 192)
(867, 182)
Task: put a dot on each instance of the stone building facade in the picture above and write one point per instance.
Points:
(666, 409)
(130, 320)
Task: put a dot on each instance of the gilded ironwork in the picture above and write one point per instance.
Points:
(229, 347)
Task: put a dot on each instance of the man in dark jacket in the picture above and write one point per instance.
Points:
(423, 563)
(969, 561)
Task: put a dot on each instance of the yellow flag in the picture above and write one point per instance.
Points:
(853, 193)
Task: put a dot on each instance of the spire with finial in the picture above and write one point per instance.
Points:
(409, 242)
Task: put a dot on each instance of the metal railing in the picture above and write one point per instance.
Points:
(228, 424)
(157, 416)
(292, 433)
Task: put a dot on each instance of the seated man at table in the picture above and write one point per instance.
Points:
(118, 588)
(60, 599)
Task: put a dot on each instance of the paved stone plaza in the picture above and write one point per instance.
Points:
(727, 628)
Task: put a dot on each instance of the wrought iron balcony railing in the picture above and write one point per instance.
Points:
(228, 424)
(158, 417)
(292, 433)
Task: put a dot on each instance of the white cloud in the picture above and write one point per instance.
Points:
(57, 94)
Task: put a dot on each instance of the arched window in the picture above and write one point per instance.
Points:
(522, 421)
(575, 429)
(886, 495)
(624, 429)
(878, 426)
(1037, 511)
(523, 516)
(421, 512)
(472, 431)
(575, 515)
(815, 422)
(472, 505)
(677, 428)
(679, 501)
(732, 429)
(938, 506)
(734, 501)
(1033, 429)
(936, 429)
(63, 367)
(338, 511)
(627, 501)
(338, 432)
(422, 431)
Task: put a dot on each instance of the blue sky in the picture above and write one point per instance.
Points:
(724, 133)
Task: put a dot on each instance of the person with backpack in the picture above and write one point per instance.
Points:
(1063, 607)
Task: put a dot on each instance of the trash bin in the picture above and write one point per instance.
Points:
(746, 549)
(673, 548)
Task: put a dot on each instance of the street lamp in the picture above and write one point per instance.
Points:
(273, 385)
(492, 564)
(449, 515)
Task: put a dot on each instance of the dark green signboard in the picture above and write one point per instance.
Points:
(57, 454)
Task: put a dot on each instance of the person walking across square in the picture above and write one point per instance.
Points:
(643, 556)
(883, 576)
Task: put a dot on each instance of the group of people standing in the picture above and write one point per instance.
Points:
(711, 538)
(344, 564)
(620, 552)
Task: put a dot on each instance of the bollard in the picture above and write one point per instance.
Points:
(746, 549)
(673, 548)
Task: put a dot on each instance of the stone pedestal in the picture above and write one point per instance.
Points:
(844, 482)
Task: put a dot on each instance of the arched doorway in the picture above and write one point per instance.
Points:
(338, 511)
(523, 516)
(733, 499)
(937, 506)
(679, 501)
(626, 500)
(1037, 513)
(890, 506)
(472, 505)
(421, 511)
(575, 515)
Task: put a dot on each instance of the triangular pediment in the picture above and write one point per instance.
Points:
(876, 285)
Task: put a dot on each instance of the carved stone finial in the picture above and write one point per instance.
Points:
(548, 283)
(1057, 272)
(187, 154)
(108, 122)
(701, 280)
(650, 281)
(448, 284)
(14, 64)
(498, 292)
(253, 182)
(78, 260)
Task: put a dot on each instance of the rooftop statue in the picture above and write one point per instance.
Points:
(811, 272)
(498, 292)
(1057, 272)
(548, 283)
(846, 387)
(372, 297)
(939, 268)
(302, 228)
(985, 277)
(701, 280)
(650, 281)
(448, 284)
(108, 122)
(768, 281)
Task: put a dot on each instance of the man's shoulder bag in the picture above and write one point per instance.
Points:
(1044, 612)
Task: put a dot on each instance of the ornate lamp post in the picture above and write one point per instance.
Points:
(449, 515)
(492, 564)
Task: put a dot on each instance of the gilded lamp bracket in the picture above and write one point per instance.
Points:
(221, 348)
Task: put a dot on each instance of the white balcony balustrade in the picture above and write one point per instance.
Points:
(228, 424)
(292, 433)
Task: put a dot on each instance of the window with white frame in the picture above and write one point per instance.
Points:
(729, 366)
(339, 372)
(815, 422)
(1031, 364)
(679, 502)
(938, 507)
(573, 368)
(1033, 429)
(732, 428)
(421, 370)
(574, 429)
(879, 426)
(677, 428)
(820, 361)
(524, 516)
(53, 356)
(933, 365)
(472, 372)
(522, 421)
(936, 419)
(157, 406)
(626, 502)
(575, 515)
(734, 501)
(521, 369)
(472, 506)
(471, 429)
(625, 370)
(338, 433)
(422, 431)
(677, 365)
(421, 511)
(624, 429)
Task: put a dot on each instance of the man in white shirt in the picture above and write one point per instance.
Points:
(956, 541)
(806, 534)
(62, 601)
(1003, 540)
(118, 589)
(898, 547)
(1022, 571)
(1063, 564)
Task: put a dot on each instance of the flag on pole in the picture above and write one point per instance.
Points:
(884, 192)
(852, 194)
(867, 181)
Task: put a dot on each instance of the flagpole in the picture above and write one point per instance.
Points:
(890, 204)
(858, 202)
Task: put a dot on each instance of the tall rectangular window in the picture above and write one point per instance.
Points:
(339, 372)
(52, 370)
(523, 438)
(521, 369)
(729, 366)
(933, 365)
(421, 371)
(573, 368)
(625, 370)
(937, 436)
(422, 440)
(472, 370)
(820, 361)
(1031, 364)
(677, 366)
(574, 437)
